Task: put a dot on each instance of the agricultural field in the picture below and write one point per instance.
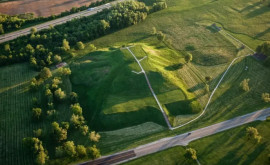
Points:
(39, 8)
(218, 149)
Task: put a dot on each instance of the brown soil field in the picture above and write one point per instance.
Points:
(41, 7)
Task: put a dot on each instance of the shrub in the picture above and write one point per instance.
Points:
(244, 85)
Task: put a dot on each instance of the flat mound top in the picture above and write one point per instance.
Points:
(41, 7)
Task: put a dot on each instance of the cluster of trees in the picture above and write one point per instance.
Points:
(10, 23)
(159, 6)
(49, 46)
(37, 149)
(69, 149)
(59, 131)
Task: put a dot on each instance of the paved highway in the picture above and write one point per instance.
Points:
(182, 139)
(46, 25)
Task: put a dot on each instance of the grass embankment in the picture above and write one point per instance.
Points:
(229, 147)
(120, 98)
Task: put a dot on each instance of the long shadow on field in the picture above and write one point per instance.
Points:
(250, 7)
(262, 33)
(257, 12)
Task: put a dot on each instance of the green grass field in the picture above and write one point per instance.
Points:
(229, 147)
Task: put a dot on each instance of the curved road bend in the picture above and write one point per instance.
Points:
(46, 25)
(152, 91)
(182, 139)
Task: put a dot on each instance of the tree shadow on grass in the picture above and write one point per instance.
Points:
(257, 12)
(174, 67)
(250, 7)
(231, 156)
(262, 33)
(211, 29)
(259, 148)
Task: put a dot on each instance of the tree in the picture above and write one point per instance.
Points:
(188, 57)
(244, 85)
(190, 154)
(65, 45)
(1, 29)
(29, 49)
(33, 30)
(65, 71)
(92, 47)
(77, 120)
(45, 73)
(160, 36)
(36, 112)
(70, 148)
(57, 59)
(55, 82)
(7, 47)
(266, 97)
(59, 94)
(37, 133)
(264, 48)
(84, 129)
(81, 151)
(34, 84)
(76, 109)
(159, 6)
(80, 45)
(208, 78)
(253, 134)
(42, 157)
(59, 133)
(93, 136)
(154, 30)
(93, 152)
(73, 97)
(33, 62)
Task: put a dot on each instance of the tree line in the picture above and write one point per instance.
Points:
(48, 46)
(10, 23)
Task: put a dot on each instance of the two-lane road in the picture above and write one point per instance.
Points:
(46, 25)
(182, 139)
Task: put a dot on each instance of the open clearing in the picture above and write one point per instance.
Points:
(43, 8)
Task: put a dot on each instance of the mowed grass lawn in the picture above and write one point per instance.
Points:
(229, 147)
